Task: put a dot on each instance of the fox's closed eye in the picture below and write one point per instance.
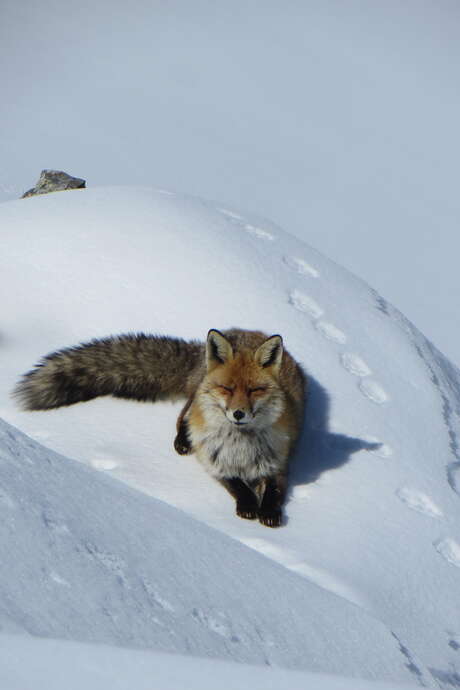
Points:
(225, 388)
(259, 389)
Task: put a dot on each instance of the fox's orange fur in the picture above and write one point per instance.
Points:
(244, 409)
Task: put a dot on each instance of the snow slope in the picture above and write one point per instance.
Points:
(373, 514)
(28, 664)
(339, 120)
(90, 559)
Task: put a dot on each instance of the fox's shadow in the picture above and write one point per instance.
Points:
(319, 450)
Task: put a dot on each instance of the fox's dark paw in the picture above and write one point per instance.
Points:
(182, 445)
(271, 518)
(246, 510)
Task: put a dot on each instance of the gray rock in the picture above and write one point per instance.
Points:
(54, 181)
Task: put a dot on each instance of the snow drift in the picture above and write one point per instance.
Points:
(373, 514)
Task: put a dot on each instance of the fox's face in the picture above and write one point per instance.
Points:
(243, 386)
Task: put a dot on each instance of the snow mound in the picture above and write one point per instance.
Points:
(90, 559)
(373, 514)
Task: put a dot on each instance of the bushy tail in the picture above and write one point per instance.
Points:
(136, 366)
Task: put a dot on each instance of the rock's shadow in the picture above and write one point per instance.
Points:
(319, 450)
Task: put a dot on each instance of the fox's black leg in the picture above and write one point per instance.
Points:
(246, 501)
(269, 512)
(181, 442)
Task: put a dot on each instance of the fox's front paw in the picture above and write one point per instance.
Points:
(271, 518)
(182, 445)
(246, 510)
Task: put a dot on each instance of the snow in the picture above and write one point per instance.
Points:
(27, 664)
(418, 501)
(90, 559)
(338, 120)
(362, 580)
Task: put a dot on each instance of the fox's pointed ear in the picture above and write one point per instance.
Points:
(270, 353)
(218, 349)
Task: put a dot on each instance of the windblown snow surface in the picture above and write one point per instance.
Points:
(362, 581)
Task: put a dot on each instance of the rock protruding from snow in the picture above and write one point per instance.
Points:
(54, 181)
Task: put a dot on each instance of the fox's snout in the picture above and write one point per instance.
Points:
(239, 414)
(238, 411)
(239, 417)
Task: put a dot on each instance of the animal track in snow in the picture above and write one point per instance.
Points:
(306, 304)
(453, 476)
(354, 364)
(410, 661)
(331, 332)
(259, 232)
(156, 596)
(166, 192)
(373, 391)
(449, 549)
(54, 523)
(300, 266)
(110, 561)
(230, 214)
(217, 624)
(418, 501)
(454, 640)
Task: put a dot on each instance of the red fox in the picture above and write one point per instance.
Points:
(245, 401)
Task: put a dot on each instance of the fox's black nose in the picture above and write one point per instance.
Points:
(238, 414)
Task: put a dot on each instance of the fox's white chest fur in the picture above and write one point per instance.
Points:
(234, 452)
